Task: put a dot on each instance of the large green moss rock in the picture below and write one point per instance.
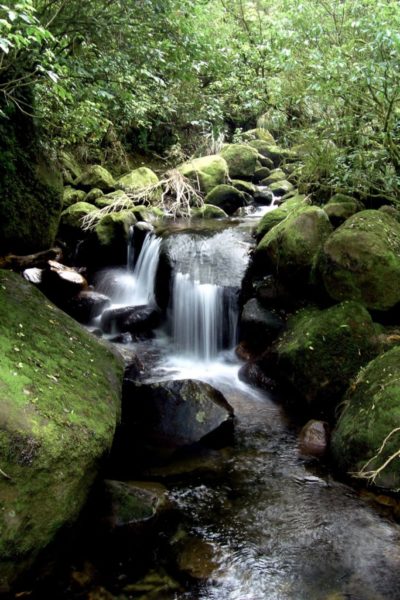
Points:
(60, 402)
(118, 196)
(340, 207)
(113, 229)
(226, 197)
(205, 172)
(322, 350)
(71, 219)
(95, 176)
(70, 168)
(361, 260)
(275, 216)
(258, 134)
(290, 248)
(71, 196)
(370, 416)
(242, 160)
(139, 179)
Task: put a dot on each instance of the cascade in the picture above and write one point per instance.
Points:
(127, 288)
(130, 252)
(206, 282)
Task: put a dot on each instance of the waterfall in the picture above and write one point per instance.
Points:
(206, 282)
(130, 251)
(127, 288)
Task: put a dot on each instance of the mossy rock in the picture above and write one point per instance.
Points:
(93, 195)
(113, 229)
(138, 180)
(149, 214)
(72, 196)
(60, 390)
(208, 211)
(112, 197)
(271, 151)
(281, 187)
(361, 260)
(244, 186)
(261, 174)
(205, 172)
(242, 160)
(70, 168)
(274, 176)
(226, 197)
(371, 412)
(290, 248)
(95, 176)
(272, 218)
(340, 207)
(258, 134)
(322, 350)
(71, 219)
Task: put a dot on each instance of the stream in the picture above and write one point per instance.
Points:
(266, 523)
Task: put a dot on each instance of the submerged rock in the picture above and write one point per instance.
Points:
(54, 427)
(321, 350)
(361, 260)
(159, 418)
(367, 433)
(208, 211)
(205, 172)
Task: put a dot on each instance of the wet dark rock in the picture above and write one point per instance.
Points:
(263, 197)
(159, 418)
(60, 283)
(132, 319)
(87, 305)
(314, 438)
(259, 326)
(197, 558)
(252, 373)
(122, 338)
(135, 369)
(270, 292)
(226, 197)
(261, 174)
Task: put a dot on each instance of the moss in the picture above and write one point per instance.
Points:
(323, 349)
(69, 167)
(71, 218)
(114, 227)
(30, 186)
(92, 196)
(291, 247)
(244, 186)
(226, 197)
(206, 172)
(277, 215)
(258, 134)
(95, 176)
(139, 179)
(208, 211)
(242, 160)
(117, 196)
(60, 390)
(274, 176)
(371, 411)
(361, 260)
(72, 196)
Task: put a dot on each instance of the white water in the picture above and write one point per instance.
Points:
(127, 288)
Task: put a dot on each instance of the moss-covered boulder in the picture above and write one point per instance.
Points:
(95, 176)
(340, 207)
(270, 150)
(244, 186)
(118, 196)
(361, 260)
(322, 350)
(60, 402)
(226, 197)
(274, 176)
(140, 179)
(70, 168)
(242, 160)
(280, 188)
(290, 249)
(205, 172)
(93, 195)
(371, 415)
(208, 211)
(275, 216)
(258, 134)
(71, 220)
(113, 229)
(71, 196)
